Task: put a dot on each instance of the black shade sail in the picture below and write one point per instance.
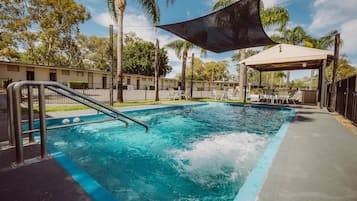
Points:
(234, 27)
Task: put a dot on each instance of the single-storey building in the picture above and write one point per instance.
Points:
(94, 79)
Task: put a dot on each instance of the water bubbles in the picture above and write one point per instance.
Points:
(220, 158)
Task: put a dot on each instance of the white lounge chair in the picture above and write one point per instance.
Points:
(173, 95)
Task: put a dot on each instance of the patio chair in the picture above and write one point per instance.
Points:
(296, 97)
(271, 96)
(173, 95)
(233, 94)
(186, 95)
(216, 94)
(283, 96)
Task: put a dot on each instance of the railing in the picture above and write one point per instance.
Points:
(15, 117)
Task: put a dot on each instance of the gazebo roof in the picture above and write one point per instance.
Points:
(287, 57)
(234, 27)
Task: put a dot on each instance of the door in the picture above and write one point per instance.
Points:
(104, 82)
(90, 80)
(53, 77)
(30, 75)
(137, 84)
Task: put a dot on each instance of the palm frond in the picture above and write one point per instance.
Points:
(152, 9)
(177, 46)
(222, 3)
(111, 8)
(274, 16)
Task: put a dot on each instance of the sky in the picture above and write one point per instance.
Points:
(317, 17)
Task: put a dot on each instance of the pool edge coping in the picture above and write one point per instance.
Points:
(253, 184)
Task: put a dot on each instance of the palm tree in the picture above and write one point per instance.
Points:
(281, 75)
(117, 8)
(181, 48)
(294, 36)
(269, 17)
(323, 43)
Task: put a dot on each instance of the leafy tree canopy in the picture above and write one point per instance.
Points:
(207, 70)
(44, 29)
(139, 57)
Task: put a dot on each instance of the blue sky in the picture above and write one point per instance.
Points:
(318, 17)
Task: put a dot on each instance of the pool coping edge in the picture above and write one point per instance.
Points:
(255, 180)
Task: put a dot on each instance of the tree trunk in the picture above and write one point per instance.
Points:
(288, 79)
(272, 80)
(183, 73)
(334, 72)
(120, 12)
(241, 73)
(157, 70)
(312, 73)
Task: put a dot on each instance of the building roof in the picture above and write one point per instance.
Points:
(287, 57)
(51, 67)
(234, 27)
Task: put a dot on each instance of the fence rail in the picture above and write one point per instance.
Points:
(103, 96)
(346, 98)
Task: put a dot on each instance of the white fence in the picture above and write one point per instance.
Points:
(102, 95)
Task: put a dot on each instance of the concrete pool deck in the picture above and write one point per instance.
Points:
(316, 161)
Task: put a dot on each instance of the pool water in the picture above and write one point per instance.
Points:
(202, 152)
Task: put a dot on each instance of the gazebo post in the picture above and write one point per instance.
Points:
(323, 85)
(245, 83)
(319, 83)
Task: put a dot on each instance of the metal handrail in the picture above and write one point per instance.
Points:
(70, 125)
(87, 104)
(15, 119)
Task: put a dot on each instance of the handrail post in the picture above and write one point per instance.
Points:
(17, 126)
(41, 95)
(30, 112)
(10, 114)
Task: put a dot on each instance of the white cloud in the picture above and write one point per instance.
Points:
(329, 14)
(103, 19)
(339, 15)
(270, 3)
(348, 33)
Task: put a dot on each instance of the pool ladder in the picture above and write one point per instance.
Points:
(15, 115)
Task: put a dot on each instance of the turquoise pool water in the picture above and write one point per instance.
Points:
(202, 152)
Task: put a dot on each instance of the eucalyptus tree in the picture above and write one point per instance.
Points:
(117, 9)
(181, 48)
(271, 16)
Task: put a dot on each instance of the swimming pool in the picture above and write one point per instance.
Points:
(197, 152)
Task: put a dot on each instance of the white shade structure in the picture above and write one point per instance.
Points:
(291, 57)
(288, 57)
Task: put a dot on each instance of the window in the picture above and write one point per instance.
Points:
(128, 81)
(65, 72)
(80, 73)
(13, 68)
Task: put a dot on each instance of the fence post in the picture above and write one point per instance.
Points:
(347, 93)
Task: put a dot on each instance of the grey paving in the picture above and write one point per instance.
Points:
(317, 161)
